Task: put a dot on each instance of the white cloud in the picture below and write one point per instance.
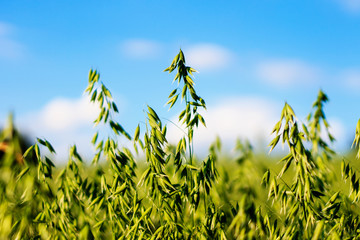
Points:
(350, 5)
(9, 48)
(140, 48)
(66, 114)
(252, 118)
(63, 122)
(287, 72)
(205, 57)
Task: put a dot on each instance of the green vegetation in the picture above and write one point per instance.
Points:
(174, 195)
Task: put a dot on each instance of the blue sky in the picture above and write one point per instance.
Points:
(252, 56)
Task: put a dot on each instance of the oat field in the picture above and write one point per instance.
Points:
(158, 190)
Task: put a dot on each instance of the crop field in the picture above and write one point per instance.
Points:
(158, 190)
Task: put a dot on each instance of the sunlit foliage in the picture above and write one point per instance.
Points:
(169, 193)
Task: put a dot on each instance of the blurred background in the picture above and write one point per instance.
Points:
(251, 57)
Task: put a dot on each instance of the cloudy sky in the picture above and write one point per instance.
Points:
(251, 57)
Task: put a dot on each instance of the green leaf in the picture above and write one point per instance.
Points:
(172, 93)
(202, 120)
(49, 146)
(93, 96)
(137, 133)
(28, 151)
(120, 189)
(318, 230)
(153, 114)
(95, 137)
(274, 142)
(182, 114)
(266, 177)
(114, 107)
(22, 173)
(49, 162)
(173, 100)
(37, 151)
